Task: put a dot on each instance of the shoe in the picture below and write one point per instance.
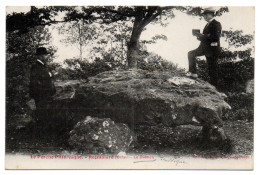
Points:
(194, 75)
(188, 74)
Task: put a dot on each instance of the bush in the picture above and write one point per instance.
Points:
(242, 106)
(82, 69)
(232, 75)
(153, 62)
(20, 55)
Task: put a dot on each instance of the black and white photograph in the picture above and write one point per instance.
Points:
(129, 87)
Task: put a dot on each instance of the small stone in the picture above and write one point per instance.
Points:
(121, 153)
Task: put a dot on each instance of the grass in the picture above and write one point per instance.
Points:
(185, 140)
(179, 141)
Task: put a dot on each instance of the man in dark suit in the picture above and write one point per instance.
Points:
(41, 86)
(209, 46)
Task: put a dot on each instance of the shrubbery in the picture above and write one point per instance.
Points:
(82, 69)
(242, 106)
(234, 73)
(20, 55)
(233, 77)
(153, 62)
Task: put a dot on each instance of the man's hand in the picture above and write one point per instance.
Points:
(199, 36)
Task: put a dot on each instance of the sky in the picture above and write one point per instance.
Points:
(178, 32)
(180, 39)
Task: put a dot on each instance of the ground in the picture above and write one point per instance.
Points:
(179, 141)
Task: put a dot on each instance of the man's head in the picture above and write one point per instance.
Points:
(42, 54)
(208, 13)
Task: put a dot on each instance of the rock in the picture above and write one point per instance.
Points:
(141, 97)
(121, 153)
(66, 89)
(95, 135)
(138, 97)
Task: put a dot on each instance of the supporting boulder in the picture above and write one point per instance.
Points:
(95, 135)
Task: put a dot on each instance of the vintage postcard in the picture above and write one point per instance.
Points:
(130, 87)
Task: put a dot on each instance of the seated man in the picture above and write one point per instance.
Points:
(209, 46)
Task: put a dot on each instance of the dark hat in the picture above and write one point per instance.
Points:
(209, 10)
(41, 51)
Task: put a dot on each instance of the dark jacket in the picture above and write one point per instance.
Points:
(210, 42)
(41, 83)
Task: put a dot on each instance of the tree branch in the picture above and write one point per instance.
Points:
(128, 14)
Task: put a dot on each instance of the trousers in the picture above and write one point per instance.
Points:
(211, 61)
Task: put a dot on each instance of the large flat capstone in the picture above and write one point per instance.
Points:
(141, 97)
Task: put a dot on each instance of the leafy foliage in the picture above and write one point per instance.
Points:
(81, 69)
(227, 55)
(235, 69)
(20, 56)
(108, 51)
(141, 16)
(153, 62)
(242, 106)
(232, 75)
(236, 38)
(79, 33)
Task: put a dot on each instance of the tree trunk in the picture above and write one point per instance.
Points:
(80, 40)
(142, 18)
(133, 45)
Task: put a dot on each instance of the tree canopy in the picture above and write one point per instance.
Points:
(141, 16)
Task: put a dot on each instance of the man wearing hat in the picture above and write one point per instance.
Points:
(209, 46)
(41, 86)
